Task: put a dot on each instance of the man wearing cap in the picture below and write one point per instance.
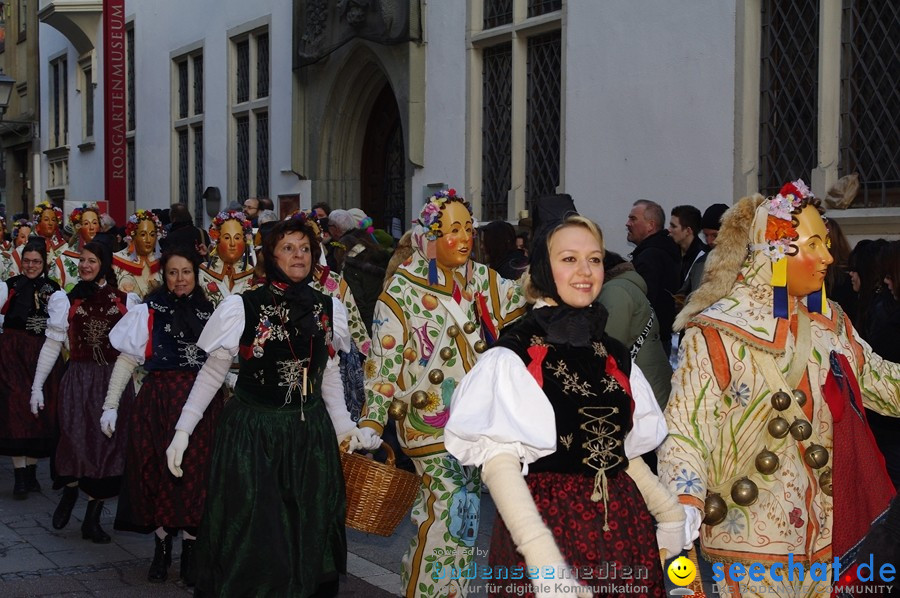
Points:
(709, 225)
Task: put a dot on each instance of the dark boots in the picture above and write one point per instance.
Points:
(64, 509)
(20, 489)
(31, 482)
(162, 558)
(90, 528)
(187, 563)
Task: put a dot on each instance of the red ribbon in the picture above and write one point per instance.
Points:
(537, 354)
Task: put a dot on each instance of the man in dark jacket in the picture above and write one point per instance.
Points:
(658, 260)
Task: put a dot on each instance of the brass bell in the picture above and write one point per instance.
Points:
(419, 399)
(778, 427)
(397, 410)
(801, 429)
(446, 353)
(744, 492)
(714, 509)
(480, 346)
(781, 400)
(816, 456)
(453, 331)
(469, 327)
(800, 397)
(825, 482)
(766, 462)
(436, 376)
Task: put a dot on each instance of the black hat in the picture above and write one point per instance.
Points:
(713, 215)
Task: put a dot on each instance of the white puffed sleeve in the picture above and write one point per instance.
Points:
(132, 299)
(341, 339)
(498, 407)
(648, 423)
(58, 310)
(4, 295)
(221, 336)
(131, 334)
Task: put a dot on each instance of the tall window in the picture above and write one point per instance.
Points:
(250, 114)
(519, 134)
(130, 119)
(188, 128)
(59, 104)
(870, 100)
(87, 98)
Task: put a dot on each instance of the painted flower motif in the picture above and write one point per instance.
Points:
(733, 523)
(795, 517)
(741, 393)
(434, 401)
(330, 284)
(371, 369)
(688, 481)
(212, 287)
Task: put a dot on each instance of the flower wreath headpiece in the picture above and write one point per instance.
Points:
(17, 226)
(75, 215)
(781, 233)
(44, 206)
(137, 218)
(430, 221)
(223, 217)
(309, 218)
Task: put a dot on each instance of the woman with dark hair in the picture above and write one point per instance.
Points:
(561, 401)
(499, 241)
(23, 319)
(274, 519)
(161, 334)
(85, 457)
(865, 275)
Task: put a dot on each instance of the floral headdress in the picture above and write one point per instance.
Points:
(781, 234)
(309, 218)
(429, 223)
(223, 217)
(75, 215)
(137, 218)
(44, 206)
(18, 225)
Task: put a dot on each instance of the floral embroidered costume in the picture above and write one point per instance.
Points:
(767, 428)
(429, 328)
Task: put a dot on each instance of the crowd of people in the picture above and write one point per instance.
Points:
(209, 379)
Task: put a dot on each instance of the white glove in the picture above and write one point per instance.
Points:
(175, 452)
(333, 395)
(558, 588)
(118, 380)
(693, 519)
(364, 439)
(108, 421)
(670, 538)
(46, 360)
(206, 385)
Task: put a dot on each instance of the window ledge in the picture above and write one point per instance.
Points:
(57, 153)
(870, 222)
(87, 146)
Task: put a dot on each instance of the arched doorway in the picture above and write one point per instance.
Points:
(383, 165)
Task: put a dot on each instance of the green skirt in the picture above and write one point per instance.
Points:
(274, 520)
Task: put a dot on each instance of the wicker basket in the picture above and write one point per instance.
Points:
(378, 494)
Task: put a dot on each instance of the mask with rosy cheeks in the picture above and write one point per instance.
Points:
(47, 225)
(454, 246)
(231, 241)
(22, 236)
(807, 268)
(90, 225)
(144, 238)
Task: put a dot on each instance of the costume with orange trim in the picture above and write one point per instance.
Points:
(137, 266)
(767, 431)
(439, 312)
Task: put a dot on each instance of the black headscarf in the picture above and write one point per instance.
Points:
(25, 287)
(186, 309)
(299, 295)
(86, 288)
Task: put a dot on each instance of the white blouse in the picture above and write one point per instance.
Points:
(498, 407)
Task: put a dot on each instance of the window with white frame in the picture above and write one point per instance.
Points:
(130, 118)
(828, 95)
(188, 128)
(516, 125)
(250, 114)
(59, 104)
(86, 85)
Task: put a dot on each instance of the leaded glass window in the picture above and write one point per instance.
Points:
(242, 126)
(262, 154)
(183, 91)
(496, 132)
(497, 13)
(544, 104)
(183, 174)
(541, 7)
(262, 65)
(870, 100)
(243, 71)
(198, 83)
(788, 92)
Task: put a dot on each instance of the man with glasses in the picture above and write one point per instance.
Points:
(251, 210)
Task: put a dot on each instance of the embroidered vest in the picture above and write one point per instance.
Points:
(273, 352)
(90, 321)
(35, 319)
(170, 349)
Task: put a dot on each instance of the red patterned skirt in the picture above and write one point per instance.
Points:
(626, 555)
(21, 433)
(151, 496)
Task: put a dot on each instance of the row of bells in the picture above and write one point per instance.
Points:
(398, 408)
(745, 492)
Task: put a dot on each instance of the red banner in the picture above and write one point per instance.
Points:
(115, 107)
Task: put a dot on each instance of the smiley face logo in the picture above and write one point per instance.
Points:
(682, 571)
